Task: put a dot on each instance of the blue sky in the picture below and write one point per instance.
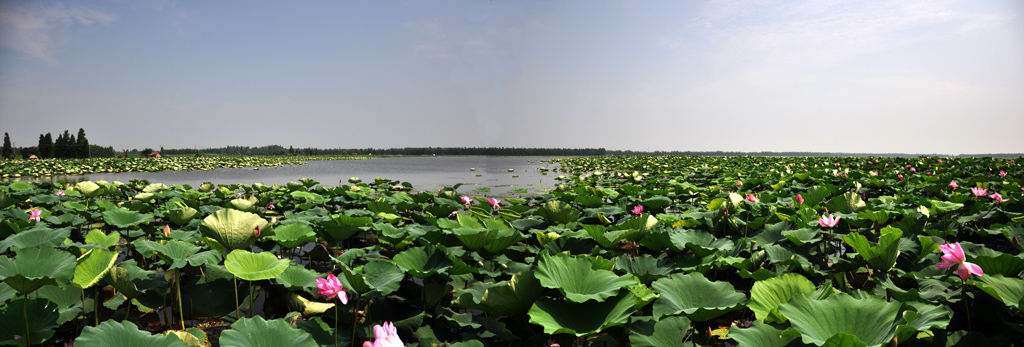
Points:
(845, 76)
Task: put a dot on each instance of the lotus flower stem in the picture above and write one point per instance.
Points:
(177, 290)
(24, 313)
(237, 316)
(96, 307)
(251, 307)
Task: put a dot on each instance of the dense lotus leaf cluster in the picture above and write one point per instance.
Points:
(68, 167)
(641, 251)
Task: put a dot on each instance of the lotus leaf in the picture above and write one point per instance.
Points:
(40, 236)
(126, 334)
(41, 322)
(35, 267)
(89, 189)
(232, 229)
(767, 295)
(254, 266)
(255, 332)
(292, 235)
(125, 219)
(695, 296)
(669, 331)
(92, 266)
(423, 262)
(871, 320)
(576, 278)
(581, 319)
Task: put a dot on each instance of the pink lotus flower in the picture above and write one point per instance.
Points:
(331, 287)
(913, 170)
(466, 200)
(799, 199)
(1002, 173)
(386, 336)
(751, 198)
(954, 255)
(952, 184)
(900, 176)
(829, 221)
(35, 215)
(739, 183)
(167, 230)
(979, 191)
(256, 232)
(61, 193)
(999, 198)
(270, 207)
(494, 203)
(638, 209)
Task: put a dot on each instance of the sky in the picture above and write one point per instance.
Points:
(932, 76)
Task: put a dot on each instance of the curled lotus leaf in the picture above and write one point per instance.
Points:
(88, 188)
(232, 229)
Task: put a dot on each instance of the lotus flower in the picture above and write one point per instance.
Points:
(739, 183)
(467, 200)
(900, 176)
(270, 207)
(979, 191)
(167, 230)
(494, 203)
(386, 336)
(799, 199)
(999, 198)
(1002, 173)
(35, 215)
(913, 170)
(638, 209)
(952, 184)
(256, 232)
(829, 221)
(61, 193)
(331, 287)
(751, 198)
(954, 255)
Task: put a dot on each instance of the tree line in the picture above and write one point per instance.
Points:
(66, 145)
(493, 151)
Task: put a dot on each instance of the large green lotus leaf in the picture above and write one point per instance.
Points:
(697, 297)
(97, 236)
(881, 256)
(32, 268)
(423, 261)
(1009, 290)
(40, 236)
(127, 334)
(125, 219)
(121, 279)
(647, 331)
(656, 202)
(340, 227)
(241, 205)
(767, 295)
(507, 299)
(256, 332)
(802, 236)
(919, 316)
(560, 212)
(41, 321)
(89, 189)
(608, 239)
(815, 195)
(576, 278)
(251, 266)
(68, 300)
(760, 334)
(155, 187)
(323, 333)
(945, 206)
(181, 216)
(645, 267)
(842, 339)
(700, 242)
(92, 266)
(178, 254)
(292, 235)
(232, 229)
(6, 293)
(581, 319)
(383, 276)
(297, 277)
(849, 202)
(1005, 264)
(870, 319)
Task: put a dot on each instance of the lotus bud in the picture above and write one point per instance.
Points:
(256, 232)
(167, 230)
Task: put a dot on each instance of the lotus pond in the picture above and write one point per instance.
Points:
(641, 251)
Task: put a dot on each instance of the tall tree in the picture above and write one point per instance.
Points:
(46, 146)
(8, 151)
(82, 145)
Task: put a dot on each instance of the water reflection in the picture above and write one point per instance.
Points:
(424, 173)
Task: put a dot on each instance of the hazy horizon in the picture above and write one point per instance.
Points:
(943, 77)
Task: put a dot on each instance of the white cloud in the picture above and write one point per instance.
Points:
(36, 30)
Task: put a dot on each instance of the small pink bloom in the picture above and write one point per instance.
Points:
(979, 191)
(953, 255)
(799, 199)
(270, 207)
(913, 170)
(751, 198)
(256, 232)
(638, 209)
(1002, 173)
(829, 221)
(900, 176)
(494, 203)
(35, 215)
(331, 287)
(466, 200)
(61, 193)
(167, 230)
(999, 198)
(453, 214)
(385, 336)
(739, 183)
(16, 336)
(952, 184)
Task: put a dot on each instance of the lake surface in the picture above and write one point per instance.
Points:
(424, 173)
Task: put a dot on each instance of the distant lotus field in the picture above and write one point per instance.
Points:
(625, 251)
(70, 167)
